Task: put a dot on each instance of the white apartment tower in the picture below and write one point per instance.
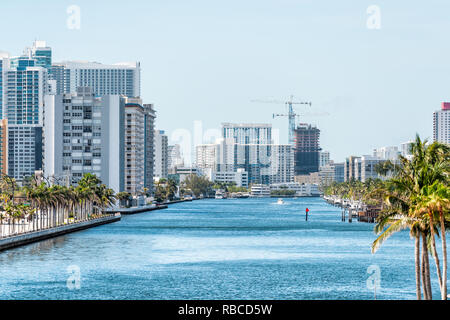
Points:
(324, 158)
(386, 153)
(441, 124)
(85, 134)
(281, 164)
(205, 157)
(175, 158)
(247, 133)
(121, 78)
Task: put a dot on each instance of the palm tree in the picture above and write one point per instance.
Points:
(435, 200)
(408, 205)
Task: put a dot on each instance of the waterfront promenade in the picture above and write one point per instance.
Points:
(23, 238)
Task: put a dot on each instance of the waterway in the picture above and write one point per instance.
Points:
(216, 249)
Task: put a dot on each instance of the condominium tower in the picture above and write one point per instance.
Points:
(22, 88)
(307, 149)
(139, 122)
(441, 124)
(120, 78)
(85, 134)
(161, 154)
(245, 133)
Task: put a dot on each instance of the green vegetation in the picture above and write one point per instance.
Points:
(415, 197)
(165, 190)
(124, 198)
(282, 192)
(45, 206)
(198, 185)
(228, 187)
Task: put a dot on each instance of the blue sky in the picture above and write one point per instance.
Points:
(206, 60)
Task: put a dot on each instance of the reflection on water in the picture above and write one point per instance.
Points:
(215, 249)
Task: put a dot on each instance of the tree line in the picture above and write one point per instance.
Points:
(41, 205)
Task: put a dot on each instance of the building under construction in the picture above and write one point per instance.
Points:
(307, 149)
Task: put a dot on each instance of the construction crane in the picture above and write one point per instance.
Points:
(291, 115)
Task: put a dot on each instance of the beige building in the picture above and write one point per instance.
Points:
(134, 172)
(312, 178)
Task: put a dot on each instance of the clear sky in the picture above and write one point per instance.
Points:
(206, 60)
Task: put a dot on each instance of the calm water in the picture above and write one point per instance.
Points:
(215, 249)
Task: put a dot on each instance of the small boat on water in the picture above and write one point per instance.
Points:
(220, 195)
(280, 201)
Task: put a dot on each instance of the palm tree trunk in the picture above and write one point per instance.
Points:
(444, 253)
(426, 269)
(417, 262)
(434, 251)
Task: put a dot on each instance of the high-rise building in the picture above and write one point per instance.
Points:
(386, 153)
(175, 158)
(339, 172)
(247, 133)
(352, 168)
(368, 165)
(138, 170)
(22, 88)
(4, 147)
(228, 156)
(115, 79)
(85, 134)
(307, 149)
(441, 124)
(324, 158)
(281, 168)
(41, 53)
(246, 146)
(161, 154)
(362, 168)
(406, 149)
(149, 126)
(264, 163)
(206, 157)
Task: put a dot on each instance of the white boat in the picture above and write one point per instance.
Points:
(280, 201)
(219, 195)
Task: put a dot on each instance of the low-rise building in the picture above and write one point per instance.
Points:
(240, 177)
(301, 189)
(260, 190)
(184, 172)
(312, 178)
